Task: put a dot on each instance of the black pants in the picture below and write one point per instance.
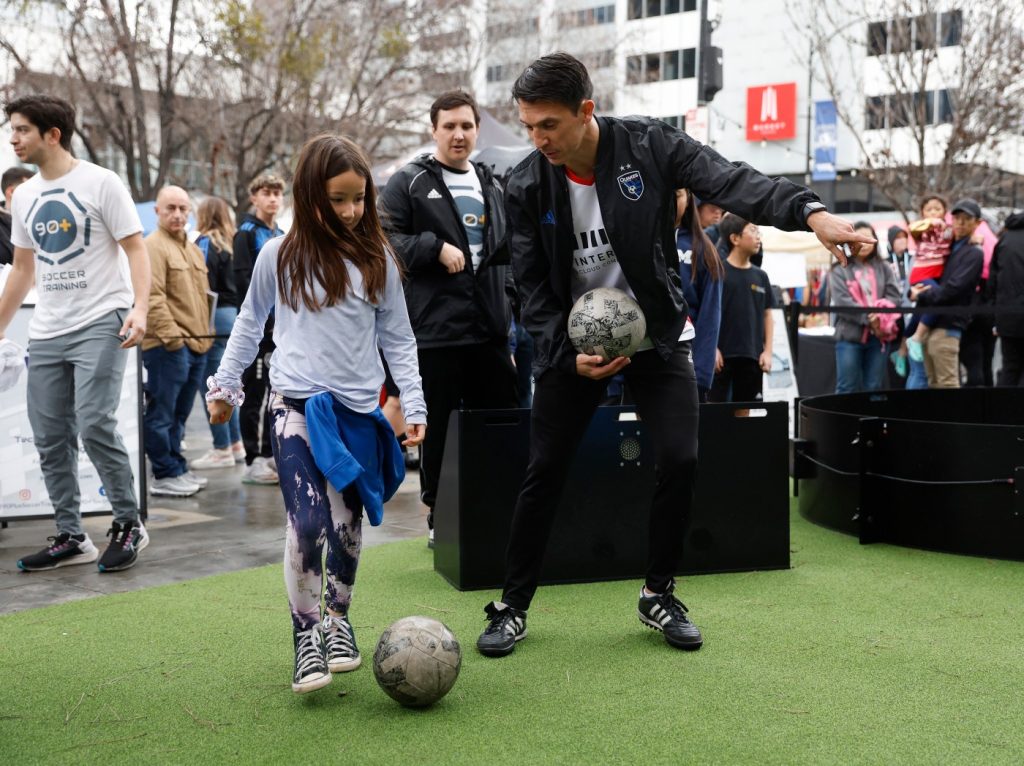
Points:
(478, 376)
(740, 380)
(666, 400)
(256, 385)
(1012, 373)
(977, 346)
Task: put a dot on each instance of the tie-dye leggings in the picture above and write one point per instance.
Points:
(317, 515)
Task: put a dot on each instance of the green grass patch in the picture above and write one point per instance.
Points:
(856, 655)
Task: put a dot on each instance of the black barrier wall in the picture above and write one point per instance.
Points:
(941, 469)
(740, 518)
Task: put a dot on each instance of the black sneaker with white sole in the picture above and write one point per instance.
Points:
(311, 671)
(666, 613)
(340, 640)
(64, 550)
(506, 626)
(126, 541)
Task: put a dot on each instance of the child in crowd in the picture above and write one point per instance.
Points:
(933, 237)
(335, 286)
(745, 338)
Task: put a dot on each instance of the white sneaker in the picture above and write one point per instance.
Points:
(238, 452)
(199, 481)
(173, 486)
(259, 473)
(215, 458)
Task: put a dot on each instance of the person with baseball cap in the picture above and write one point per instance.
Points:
(956, 287)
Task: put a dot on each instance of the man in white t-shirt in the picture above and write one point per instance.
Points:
(78, 238)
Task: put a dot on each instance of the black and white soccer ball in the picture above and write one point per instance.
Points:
(607, 322)
(417, 661)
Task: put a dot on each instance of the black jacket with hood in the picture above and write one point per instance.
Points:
(640, 164)
(1006, 276)
(419, 215)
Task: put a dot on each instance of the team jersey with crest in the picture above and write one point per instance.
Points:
(594, 263)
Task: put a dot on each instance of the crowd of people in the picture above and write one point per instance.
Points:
(325, 352)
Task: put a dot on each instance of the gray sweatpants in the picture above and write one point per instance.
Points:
(74, 387)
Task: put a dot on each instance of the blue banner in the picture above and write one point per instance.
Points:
(825, 139)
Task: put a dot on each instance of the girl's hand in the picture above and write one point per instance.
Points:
(414, 433)
(220, 411)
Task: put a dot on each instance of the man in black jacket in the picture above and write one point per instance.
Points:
(445, 217)
(1006, 283)
(615, 177)
(957, 287)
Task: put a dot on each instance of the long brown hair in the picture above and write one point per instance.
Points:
(704, 251)
(213, 218)
(314, 251)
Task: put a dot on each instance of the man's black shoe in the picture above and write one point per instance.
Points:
(507, 625)
(666, 613)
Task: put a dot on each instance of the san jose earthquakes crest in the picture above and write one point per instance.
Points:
(631, 185)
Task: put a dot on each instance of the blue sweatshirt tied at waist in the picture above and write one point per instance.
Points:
(354, 448)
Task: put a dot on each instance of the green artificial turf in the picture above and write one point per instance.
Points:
(858, 654)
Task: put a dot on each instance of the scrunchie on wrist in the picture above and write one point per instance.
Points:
(219, 393)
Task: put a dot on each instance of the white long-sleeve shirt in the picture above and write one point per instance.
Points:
(333, 349)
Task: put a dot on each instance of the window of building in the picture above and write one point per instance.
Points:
(924, 107)
(877, 38)
(657, 67)
(587, 17)
(900, 34)
(671, 65)
(689, 63)
(604, 103)
(944, 106)
(652, 67)
(900, 109)
(916, 33)
(647, 9)
(518, 28)
(950, 28)
(676, 121)
(924, 31)
(634, 70)
(874, 113)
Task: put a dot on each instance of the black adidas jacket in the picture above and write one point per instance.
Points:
(419, 215)
(640, 164)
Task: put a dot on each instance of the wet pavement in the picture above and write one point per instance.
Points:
(226, 527)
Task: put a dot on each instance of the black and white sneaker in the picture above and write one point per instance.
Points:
(507, 626)
(666, 613)
(64, 550)
(311, 671)
(340, 640)
(126, 541)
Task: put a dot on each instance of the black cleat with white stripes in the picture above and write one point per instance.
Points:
(505, 626)
(666, 613)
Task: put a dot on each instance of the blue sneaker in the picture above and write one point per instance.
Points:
(899, 363)
(915, 350)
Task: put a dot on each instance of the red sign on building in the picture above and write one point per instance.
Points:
(771, 112)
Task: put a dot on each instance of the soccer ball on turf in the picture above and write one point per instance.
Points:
(416, 661)
(607, 322)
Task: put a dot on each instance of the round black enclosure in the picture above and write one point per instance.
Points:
(935, 469)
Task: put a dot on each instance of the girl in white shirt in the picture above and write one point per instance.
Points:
(335, 287)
